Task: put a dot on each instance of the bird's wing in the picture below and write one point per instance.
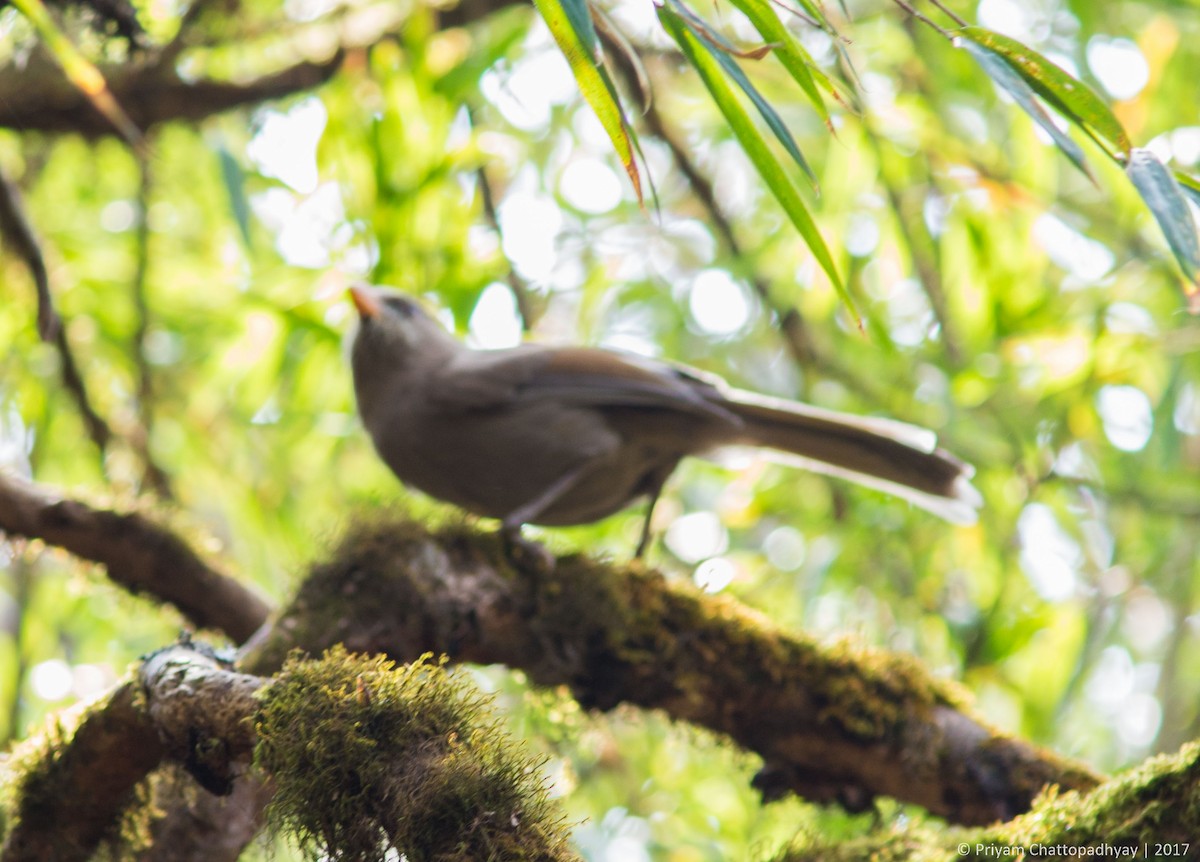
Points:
(580, 376)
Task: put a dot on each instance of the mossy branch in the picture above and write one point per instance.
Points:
(362, 757)
(68, 788)
(1151, 811)
(832, 722)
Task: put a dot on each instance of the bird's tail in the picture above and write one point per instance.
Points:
(901, 459)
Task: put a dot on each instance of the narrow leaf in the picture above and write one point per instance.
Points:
(1190, 186)
(1162, 193)
(1003, 75)
(571, 26)
(504, 31)
(765, 162)
(701, 28)
(234, 179)
(1071, 97)
(734, 71)
(791, 53)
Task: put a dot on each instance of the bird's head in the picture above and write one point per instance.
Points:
(393, 332)
(392, 322)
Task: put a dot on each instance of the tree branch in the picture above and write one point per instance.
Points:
(922, 250)
(137, 553)
(151, 93)
(832, 723)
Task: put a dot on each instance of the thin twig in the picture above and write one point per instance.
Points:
(924, 20)
(961, 22)
(791, 10)
(16, 229)
(97, 429)
(921, 247)
(152, 475)
(521, 291)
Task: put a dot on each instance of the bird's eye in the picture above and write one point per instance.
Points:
(400, 305)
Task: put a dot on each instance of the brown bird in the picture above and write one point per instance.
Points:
(569, 435)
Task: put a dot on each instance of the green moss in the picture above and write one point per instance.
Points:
(900, 844)
(368, 756)
(1156, 803)
(32, 775)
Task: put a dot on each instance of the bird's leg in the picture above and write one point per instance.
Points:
(644, 541)
(655, 482)
(510, 525)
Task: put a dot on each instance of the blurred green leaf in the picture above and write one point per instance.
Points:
(1001, 72)
(704, 59)
(1165, 198)
(235, 187)
(571, 25)
(1071, 97)
(495, 38)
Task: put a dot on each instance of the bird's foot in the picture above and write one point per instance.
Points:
(526, 554)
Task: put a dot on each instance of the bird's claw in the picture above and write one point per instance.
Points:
(526, 554)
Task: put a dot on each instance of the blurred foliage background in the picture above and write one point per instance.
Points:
(1032, 318)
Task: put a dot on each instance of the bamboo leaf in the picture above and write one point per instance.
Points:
(698, 29)
(768, 166)
(571, 25)
(1163, 195)
(1002, 74)
(798, 62)
(1071, 97)
(1189, 185)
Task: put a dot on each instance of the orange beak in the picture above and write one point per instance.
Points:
(365, 301)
